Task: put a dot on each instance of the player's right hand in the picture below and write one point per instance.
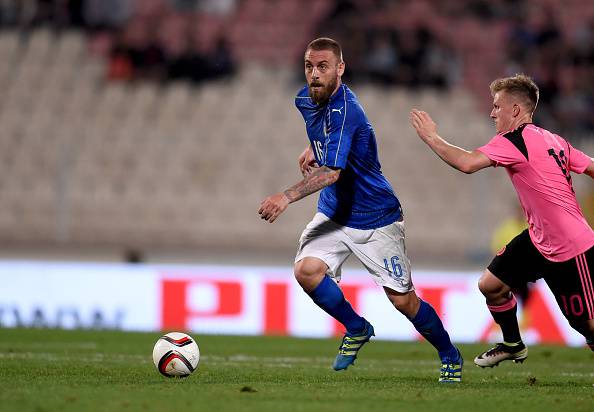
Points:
(423, 124)
(307, 161)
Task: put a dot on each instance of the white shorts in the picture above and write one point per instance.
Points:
(381, 250)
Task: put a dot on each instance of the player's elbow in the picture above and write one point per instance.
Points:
(467, 168)
(472, 162)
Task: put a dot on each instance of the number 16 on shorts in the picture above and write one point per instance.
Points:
(393, 264)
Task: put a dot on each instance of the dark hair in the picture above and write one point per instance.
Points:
(521, 86)
(326, 43)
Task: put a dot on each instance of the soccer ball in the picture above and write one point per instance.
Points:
(176, 354)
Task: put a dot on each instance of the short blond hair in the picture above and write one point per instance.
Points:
(519, 85)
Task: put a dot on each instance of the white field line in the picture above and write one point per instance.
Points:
(280, 361)
(213, 360)
(58, 357)
(52, 345)
(578, 374)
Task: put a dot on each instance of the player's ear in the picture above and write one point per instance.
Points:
(516, 110)
(341, 67)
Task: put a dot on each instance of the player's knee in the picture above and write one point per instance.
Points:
(308, 273)
(491, 287)
(300, 274)
(484, 286)
(303, 270)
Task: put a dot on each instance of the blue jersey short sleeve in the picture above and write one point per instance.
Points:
(342, 138)
(341, 125)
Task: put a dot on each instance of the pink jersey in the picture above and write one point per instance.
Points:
(539, 164)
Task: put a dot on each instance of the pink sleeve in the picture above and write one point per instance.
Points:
(502, 151)
(578, 160)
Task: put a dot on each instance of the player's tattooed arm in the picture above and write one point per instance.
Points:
(318, 179)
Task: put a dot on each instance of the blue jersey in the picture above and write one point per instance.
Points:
(342, 138)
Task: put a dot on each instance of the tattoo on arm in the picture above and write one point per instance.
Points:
(317, 180)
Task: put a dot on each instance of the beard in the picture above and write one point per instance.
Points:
(321, 94)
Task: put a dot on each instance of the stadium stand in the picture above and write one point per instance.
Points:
(150, 164)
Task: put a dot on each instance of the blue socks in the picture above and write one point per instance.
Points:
(328, 296)
(428, 324)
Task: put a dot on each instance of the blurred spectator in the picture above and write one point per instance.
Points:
(76, 12)
(101, 14)
(48, 11)
(512, 226)
(9, 12)
(386, 52)
(134, 256)
(413, 46)
(345, 22)
(174, 41)
(168, 48)
(136, 53)
(382, 59)
(562, 65)
(120, 65)
(217, 7)
(342, 10)
(587, 203)
(185, 6)
(406, 43)
(571, 107)
(441, 65)
(33, 13)
(221, 61)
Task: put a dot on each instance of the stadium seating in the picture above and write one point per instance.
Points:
(85, 162)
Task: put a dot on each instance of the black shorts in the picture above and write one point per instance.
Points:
(571, 281)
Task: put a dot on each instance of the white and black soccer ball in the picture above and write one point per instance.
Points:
(176, 354)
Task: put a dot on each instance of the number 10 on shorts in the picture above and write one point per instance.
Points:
(396, 272)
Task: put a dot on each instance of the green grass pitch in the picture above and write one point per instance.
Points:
(52, 370)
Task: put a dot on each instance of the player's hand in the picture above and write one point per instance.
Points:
(307, 161)
(273, 206)
(423, 124)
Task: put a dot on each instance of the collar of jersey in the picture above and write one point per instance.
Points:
(513, 130)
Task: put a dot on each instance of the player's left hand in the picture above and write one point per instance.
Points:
(273, 206)
(423, 124)
(307, 162)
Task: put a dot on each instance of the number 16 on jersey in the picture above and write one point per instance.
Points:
(317, 145)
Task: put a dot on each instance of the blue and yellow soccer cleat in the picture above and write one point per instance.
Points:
(351, 343)
(451, 370)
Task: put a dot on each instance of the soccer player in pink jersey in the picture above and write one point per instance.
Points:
(558, 244)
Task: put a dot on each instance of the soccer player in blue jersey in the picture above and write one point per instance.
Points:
(358, 213)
